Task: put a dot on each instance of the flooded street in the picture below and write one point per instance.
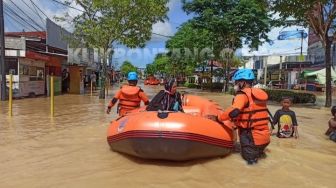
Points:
(70, 150)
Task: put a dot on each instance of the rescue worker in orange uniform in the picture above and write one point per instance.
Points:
(250, 115)
(129, 96)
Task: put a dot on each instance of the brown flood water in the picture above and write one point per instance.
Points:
(70, 150)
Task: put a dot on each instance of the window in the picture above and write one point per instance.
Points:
(40, 73)
(12, 66)
(24, 69)
(34, 73)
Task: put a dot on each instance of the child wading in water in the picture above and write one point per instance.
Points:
(286, 120)
(331, 132)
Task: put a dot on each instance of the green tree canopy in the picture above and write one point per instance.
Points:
(191, 43)
(232, 21)
(190, 47)
(105, 23)
(127, 67)
(160, 65)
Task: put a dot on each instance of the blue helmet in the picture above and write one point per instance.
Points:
(243, 74)
(132, 76)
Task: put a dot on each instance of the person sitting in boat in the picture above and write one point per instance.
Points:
(331, 132)
(167, 100)
(129, 96)
(250, 115)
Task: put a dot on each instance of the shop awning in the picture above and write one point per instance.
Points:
(320, 75)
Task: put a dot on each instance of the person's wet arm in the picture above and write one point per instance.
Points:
(239, 102)
(144, 97)
(114, 100)
(332, 123)
(276, 117)
(179, 100)
(295, 125)
(294, 119)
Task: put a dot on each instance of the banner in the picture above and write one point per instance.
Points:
(288, 35)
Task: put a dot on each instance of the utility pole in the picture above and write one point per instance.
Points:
(301, 58)
(2, 54)
(265, 73)
(301, 54)
(280, 68)
(301, 41)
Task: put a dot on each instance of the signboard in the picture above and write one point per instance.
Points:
(289, 35)
(56, 35)
(37, 56)
(316, 53)
(24, 61)
(15, 43)
(15, 53)
(301, 58)
(312, 37)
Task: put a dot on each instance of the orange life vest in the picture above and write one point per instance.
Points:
(129, 98)
(256, 114)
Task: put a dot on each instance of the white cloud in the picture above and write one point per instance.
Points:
(161, 28)
(62, 11)
(164, 28)
(279, 46)
(52, 9)
(173, 3)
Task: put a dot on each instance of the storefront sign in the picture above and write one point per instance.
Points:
(316, 53)
(37, 56)
(15, 43)
(15, 53)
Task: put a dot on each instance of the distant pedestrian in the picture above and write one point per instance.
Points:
(93, 78)
(86, 80)
(65, 81)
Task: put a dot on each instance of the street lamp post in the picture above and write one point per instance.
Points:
(280, 68)
(265, 74)
(2, 54)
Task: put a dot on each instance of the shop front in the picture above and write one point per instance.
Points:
(54, 68)
(31, 78)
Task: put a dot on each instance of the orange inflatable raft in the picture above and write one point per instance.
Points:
(173, 136)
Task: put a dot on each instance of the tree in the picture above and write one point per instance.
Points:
(103, 23)
(161, 62)
(231, 22)
(160, 65)
(127, 67)
(190, 47)
(150, 69)
(320, 16)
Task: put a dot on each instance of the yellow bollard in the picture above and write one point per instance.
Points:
(52, 96)
(10, 104)
(91, 88)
